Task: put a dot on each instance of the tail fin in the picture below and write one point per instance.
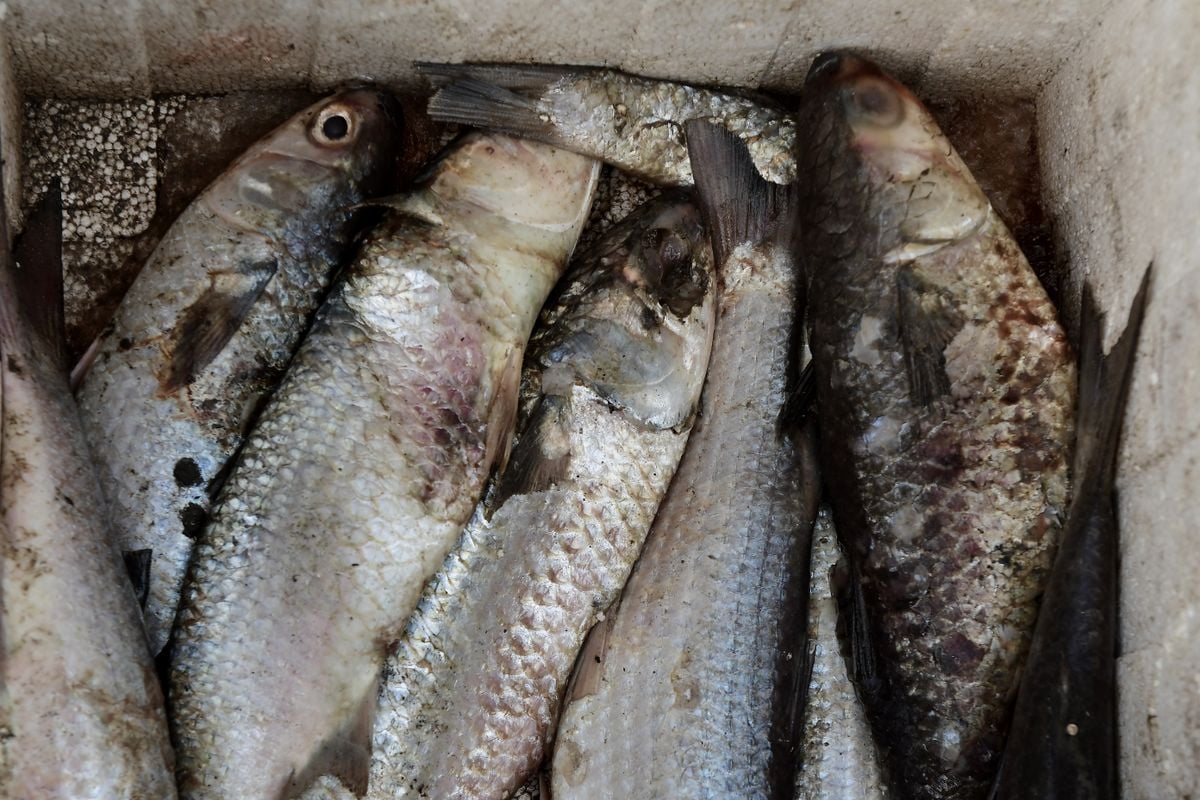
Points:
(31, 290)
(739, 205)
(480, 104)
(1104, 388)
(530, 79)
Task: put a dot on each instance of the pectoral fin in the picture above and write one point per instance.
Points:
(137, 564)
(207, 325)
(502, 413)
(345, 754)
(927, 322)
(539, 458)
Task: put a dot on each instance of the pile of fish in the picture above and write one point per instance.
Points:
(788, 485)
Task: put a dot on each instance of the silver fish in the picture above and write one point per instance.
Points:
(362, 471)
(611, 384)
(946, 389)
(690, 689)
(838, 760)
(209, 324)
(83, 714)
(636, 124)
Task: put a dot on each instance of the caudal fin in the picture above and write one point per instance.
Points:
(525, 78)
(31, 289)
(739, 205)
(1104, 388)
(481, 104)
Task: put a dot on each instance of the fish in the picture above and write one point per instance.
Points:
(82, 709)
(690, 688)
(363, 469)
(611, 384)
(209, 324)
(1063, 739)
(636, 124)
(838, 758)
(945, 390)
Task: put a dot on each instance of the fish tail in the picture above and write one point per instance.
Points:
(482, 104)
(1104, 389)
(528, 78)
(31, 290)
(739, 205)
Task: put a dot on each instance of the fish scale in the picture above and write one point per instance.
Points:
(362, 471)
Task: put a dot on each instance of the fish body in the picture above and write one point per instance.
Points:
(362, 471)
(83, 714)
(945, 389)
(635, 124)
(611, 383)
(838, 759)
(689, 688)
(209, 324)
(1063, 740)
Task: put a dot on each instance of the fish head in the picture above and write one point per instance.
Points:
(331, 155)
(872, 130)
(634, 317)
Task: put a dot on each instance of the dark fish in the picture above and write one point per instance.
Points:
(82, 713)
(691, 687)
(1063, 739)
(946, 391)
(634, 123)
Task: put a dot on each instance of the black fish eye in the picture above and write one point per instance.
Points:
(335, 127)
(673, 253)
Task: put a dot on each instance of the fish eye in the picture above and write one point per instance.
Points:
(874, 101)
(673, 253)
(336, 125)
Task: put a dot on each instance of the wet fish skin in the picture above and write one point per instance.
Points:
(611, 384)
(82, 712)
(1063, 739)
(945, 390)
(689, 688)
(838, 758)
(363, 470)
(634, 123)
(209, 324)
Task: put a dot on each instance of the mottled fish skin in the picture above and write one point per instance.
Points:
(611, 384)
(209, 324)
(362, 471)
(945, 390)
(687, 690)
(83, 714)
(838, 759)
(636, 124)
(1063, 741)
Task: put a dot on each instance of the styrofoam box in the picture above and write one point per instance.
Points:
(1118, 101)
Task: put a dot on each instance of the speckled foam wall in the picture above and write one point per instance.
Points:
(1119, 140)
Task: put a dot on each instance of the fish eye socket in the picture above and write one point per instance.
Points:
(873, 101)
(335, 125)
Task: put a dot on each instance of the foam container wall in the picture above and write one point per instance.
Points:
(1118, 104)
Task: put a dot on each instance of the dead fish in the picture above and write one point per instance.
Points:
(945, 390)
(1063, 739)
(362, 471)
(611, 384)
(838, 759)
(209, 324)
(83, 713)
(691, 688)
(636, 124)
